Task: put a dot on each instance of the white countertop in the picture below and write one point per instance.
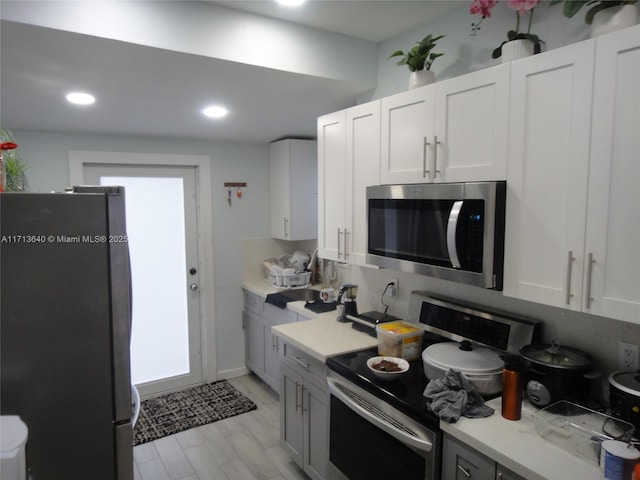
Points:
(322, 336)
(517, 446)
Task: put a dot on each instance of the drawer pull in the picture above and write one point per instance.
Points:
(303, 364)
(464, 470)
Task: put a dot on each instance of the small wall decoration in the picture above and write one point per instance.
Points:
(230, 186)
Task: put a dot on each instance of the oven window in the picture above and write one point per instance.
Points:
(361, 451)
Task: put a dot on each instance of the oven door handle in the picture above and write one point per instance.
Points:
(404, 437)
(452, 228)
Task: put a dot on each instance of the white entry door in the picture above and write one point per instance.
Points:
(162, 227)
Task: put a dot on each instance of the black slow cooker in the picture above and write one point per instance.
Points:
(556, 373)
(624, 397)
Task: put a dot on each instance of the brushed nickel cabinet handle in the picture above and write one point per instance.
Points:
(339, 235)
(570, 260)
(286, 221)
(464, 470)
(425, 170)
(590, 262)
(346, 244)
(435, 157)
(303, 364)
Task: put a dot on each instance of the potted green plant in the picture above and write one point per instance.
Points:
(14, 168)
(419, 59)
(603, 16)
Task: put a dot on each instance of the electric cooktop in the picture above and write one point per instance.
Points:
(404, 393)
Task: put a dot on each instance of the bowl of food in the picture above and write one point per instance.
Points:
(388, 368)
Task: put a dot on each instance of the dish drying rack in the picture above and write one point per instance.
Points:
(279, 275)
(579, 430)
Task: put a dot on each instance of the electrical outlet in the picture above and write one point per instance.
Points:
(628, 356)
(392, 290)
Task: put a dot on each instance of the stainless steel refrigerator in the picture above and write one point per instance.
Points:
(65, 323)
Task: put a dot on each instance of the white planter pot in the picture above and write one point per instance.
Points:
(421, 78)
(614, 18)
(516, 49)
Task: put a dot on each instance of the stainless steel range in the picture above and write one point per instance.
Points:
(383, 429)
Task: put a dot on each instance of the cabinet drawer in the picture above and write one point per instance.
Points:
(461, 462)
(252, 302)
(300, 361)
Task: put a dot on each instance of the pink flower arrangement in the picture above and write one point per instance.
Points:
(521, 7)
(482, 7)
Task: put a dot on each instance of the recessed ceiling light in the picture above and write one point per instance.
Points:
(79, 98)
(215, 111)
(290, 3)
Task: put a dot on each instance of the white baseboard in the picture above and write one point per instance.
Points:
(236, 372)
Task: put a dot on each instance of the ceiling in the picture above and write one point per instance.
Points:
(373, 20)
(154, 92)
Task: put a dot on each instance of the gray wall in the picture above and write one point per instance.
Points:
(46, 154)
(464, 53)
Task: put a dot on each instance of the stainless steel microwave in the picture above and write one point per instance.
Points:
(452, 231)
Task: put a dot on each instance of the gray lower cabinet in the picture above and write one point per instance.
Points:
(273, 316)
(461, 462)
(304, 411)
(503, 473)
(263, 350)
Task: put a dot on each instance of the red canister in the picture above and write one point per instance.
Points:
(512, 387)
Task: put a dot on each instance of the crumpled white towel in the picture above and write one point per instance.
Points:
(454, 396)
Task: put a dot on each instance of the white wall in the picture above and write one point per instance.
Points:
(46, 156)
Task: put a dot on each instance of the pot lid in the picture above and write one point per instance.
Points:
(556, 356)
(626, 381)
(464, 357)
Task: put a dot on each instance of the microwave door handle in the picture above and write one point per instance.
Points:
(452, 228)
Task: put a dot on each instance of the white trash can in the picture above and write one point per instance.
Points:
(13, 438)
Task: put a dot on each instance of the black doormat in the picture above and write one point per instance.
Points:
(194, 407)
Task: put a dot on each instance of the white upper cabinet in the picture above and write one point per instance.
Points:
(453, 130)
(406, 122)
(613, 219)
(573, 227)
(293, 171)
(332, 182)
(363, 160)
(348, 162)
(547, 178)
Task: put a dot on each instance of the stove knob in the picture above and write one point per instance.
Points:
(538, 393)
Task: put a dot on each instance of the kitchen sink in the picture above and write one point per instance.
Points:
(302, 294)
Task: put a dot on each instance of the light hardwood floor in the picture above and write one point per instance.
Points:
(245, 447)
